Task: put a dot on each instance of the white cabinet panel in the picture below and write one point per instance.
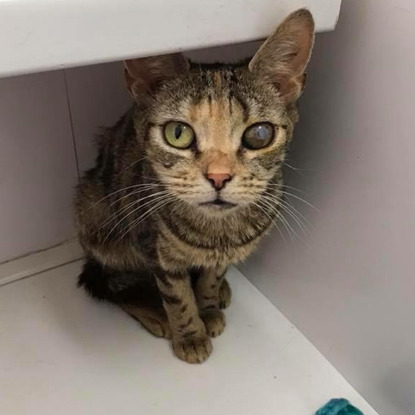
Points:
(38, 35)
(37, 164)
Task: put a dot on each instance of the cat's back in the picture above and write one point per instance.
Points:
(98, 185)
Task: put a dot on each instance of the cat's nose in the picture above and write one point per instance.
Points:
(218, 180)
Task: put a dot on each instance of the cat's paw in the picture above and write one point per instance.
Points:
(195, 350)
(225, 294)
(215, 322)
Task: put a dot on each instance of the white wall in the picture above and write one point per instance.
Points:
(43, 119)
(350, 287)
(97, 97)
(37, 164)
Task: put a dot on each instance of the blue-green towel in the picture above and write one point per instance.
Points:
(339, 407)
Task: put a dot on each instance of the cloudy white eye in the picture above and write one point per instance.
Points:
(258, 136)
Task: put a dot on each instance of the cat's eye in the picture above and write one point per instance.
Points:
(258, 135)
(179, 134)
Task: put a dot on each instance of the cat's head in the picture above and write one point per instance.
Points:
(217, 134)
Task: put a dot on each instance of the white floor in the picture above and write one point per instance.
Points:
(61, 353)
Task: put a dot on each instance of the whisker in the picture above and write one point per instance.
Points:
(289, 203)
(132, 164)
(300, 224)
(299, 171)
(149, 212)
(132, 193)
(120, 190)
(285, 186)
(127, 207)
(301, 199)
(284, 221)
(288, 206)
(131, 212)
(272, 220)
(148, 177)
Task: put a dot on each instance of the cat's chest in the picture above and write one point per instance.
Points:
(178, 250)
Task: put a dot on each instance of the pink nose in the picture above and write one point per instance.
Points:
(218, 180)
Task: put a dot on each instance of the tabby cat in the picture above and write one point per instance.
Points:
(187, 183)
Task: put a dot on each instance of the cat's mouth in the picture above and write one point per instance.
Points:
(218, 203)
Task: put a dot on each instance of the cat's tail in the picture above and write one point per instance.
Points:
(95, 281)
(136, 287)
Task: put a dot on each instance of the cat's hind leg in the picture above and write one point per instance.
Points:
(134, 292)
(143, 302)
(151, 318)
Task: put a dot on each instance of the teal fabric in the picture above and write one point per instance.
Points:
(338, 407)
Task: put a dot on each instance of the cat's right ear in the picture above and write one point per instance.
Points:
(145, 75)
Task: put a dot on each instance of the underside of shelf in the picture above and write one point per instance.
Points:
(39, 35)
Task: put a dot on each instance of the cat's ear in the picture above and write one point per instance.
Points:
(145, 75)
(283, 57)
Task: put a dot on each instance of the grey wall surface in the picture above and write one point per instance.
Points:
(349, 285)
(47, 126)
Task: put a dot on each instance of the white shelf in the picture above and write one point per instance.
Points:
(38, 35)
(62, 353)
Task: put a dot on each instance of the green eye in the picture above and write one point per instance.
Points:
(258, 135)
(179, 134)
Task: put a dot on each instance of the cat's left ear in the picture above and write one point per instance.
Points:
(145, 75)
(283, 57)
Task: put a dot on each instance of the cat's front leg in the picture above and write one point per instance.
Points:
(190, 341)
(208, 296)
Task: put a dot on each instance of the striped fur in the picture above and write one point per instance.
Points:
(153, 246)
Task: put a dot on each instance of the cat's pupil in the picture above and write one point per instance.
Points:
(178, 131)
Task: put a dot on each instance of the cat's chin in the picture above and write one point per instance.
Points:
(217, 206)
